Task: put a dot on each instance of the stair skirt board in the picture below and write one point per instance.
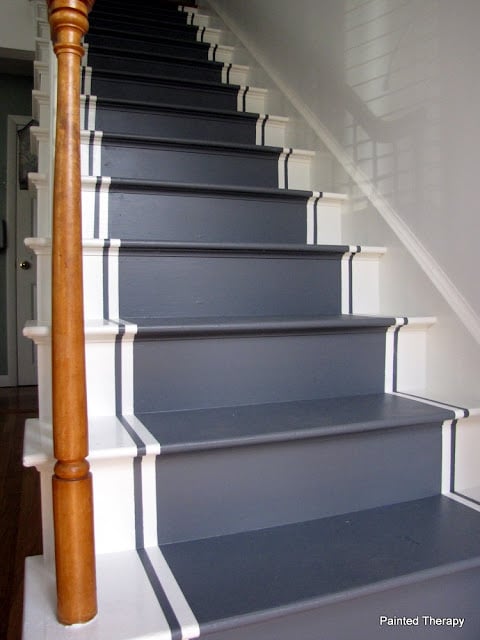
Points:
(260, 469)
(303, 584)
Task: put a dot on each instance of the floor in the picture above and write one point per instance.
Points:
(20, 524)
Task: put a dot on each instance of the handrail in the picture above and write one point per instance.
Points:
(72, 481)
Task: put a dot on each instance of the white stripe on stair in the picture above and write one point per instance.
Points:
(87, 80)
(188, 623)
(112, 303)
(102, 206)
(91, 113)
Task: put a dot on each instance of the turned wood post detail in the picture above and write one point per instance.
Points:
(72, 481)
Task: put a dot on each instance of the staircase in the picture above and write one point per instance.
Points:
(260, 469)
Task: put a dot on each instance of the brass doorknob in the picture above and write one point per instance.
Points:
(25, 265)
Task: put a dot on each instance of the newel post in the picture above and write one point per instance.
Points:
(72, 481)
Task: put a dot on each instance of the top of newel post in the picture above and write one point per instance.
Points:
(68, 20)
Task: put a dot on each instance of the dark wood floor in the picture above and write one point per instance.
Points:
(20, 524)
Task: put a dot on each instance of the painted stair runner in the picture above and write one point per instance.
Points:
(276, 483)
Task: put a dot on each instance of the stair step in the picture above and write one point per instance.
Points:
(165, 29)
(105, 60)
(180, 212)
(174, 91)
(155, 13)
(139, 16)
(113, 25)
(195, 161)
(182, 122)
(247, 425)
(151, 88)
(391, 447)
(275, 360)
(352, 288)
(183, 15)
(192, 279)
(318, 562)
(319, 579)
(170, 46)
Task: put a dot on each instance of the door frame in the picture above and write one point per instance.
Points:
(13, 122)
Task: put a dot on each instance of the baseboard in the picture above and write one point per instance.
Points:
(407, 237)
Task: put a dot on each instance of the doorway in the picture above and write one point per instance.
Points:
(20, 261)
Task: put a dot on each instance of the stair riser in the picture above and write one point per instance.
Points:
(152, 285)
(181, 126)
(235, 370)
(157, 13)
(140, 14)
(140, 17)
(266, 486)
(110, 368)
(173, 48)
(125, 29)
(204, 73)
(356, 287)
(181, 217)
(213, 97)
(269, 168)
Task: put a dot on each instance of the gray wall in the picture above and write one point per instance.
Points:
(15, 99)
(395, 83)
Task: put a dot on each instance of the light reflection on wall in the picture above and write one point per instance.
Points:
(391, 100)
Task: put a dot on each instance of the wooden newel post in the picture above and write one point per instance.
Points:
(72, 481)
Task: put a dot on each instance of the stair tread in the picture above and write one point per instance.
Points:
(200, 429)
(155, 78)
(266, 192)
(263, 324)
(220, 583)
(308, 564)
(135, 140)
(138, 35)
(183, 109)
(153, 57)
(246, 248)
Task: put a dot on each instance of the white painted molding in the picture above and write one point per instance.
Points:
(458, 303)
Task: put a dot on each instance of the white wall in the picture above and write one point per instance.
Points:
(391, 87)
(16, 25)
(396, 83)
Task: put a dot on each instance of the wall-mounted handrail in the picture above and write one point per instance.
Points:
(72, 482)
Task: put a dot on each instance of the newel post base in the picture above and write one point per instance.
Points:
(72, 482)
